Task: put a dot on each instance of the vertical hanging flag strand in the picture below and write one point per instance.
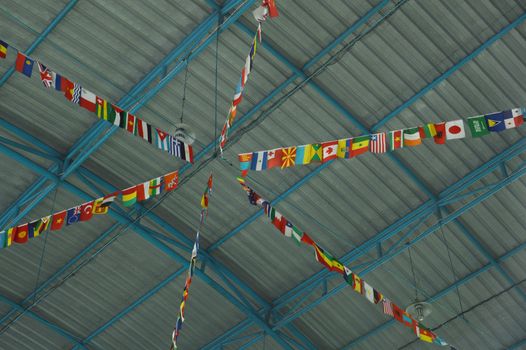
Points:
(193, 260)
(267, 8)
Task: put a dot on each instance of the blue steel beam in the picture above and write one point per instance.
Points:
(41, 37)
(518, 345)
(55, 328)
(442, 293)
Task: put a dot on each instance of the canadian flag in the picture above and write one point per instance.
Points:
(330, 150)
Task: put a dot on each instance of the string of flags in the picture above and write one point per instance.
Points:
(267, 8)
(22, 233)
(191, 266)
(104, 110)
(382, 142)
(332, 264)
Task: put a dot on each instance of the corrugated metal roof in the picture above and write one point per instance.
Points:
(127, 294)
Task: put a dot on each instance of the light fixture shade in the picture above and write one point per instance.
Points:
(183, 132)
(419, 310)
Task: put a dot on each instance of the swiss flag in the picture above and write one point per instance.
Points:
(86, 211)
(274, 158)
(330, 150)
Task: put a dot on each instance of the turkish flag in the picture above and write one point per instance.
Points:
(86, 211)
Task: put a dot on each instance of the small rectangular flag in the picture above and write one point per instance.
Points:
(289, 229)
(274, 158)
(88, 100)
(143, 191)
(378, 144)
(129, 196)
(155, 186)
(3, 49)
(359, 145)
(45, 75)
(288, 157)
(440, 137)
(455, 130)
(22, 234)
(396, 139)
(73, 93)
(10, 236)
(171, 181)
(316, 152)
(259, 161)
(427, 131)
(57, 81)
(161, 139)
(516, 119)
(102, 205)
(245, 159)
(3, 239)
(478, 126)
(369, 292)
(86, 211)
(412, 137)
(329, 150)
(344, 148)
(57, 220)
(24, 64)
(388, 307)
(73, 215)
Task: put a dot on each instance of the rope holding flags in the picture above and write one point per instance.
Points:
(267, 8)
(193, 259)
(383, 142)
(104, 110)
(332, 264)
(22, 233)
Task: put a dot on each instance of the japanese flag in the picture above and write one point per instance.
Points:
(455, 130)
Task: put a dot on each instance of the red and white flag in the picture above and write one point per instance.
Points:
(388, 307)
(455, 130)
(378, 144)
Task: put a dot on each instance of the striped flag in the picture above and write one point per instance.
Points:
(388, 307)
(378, 144)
